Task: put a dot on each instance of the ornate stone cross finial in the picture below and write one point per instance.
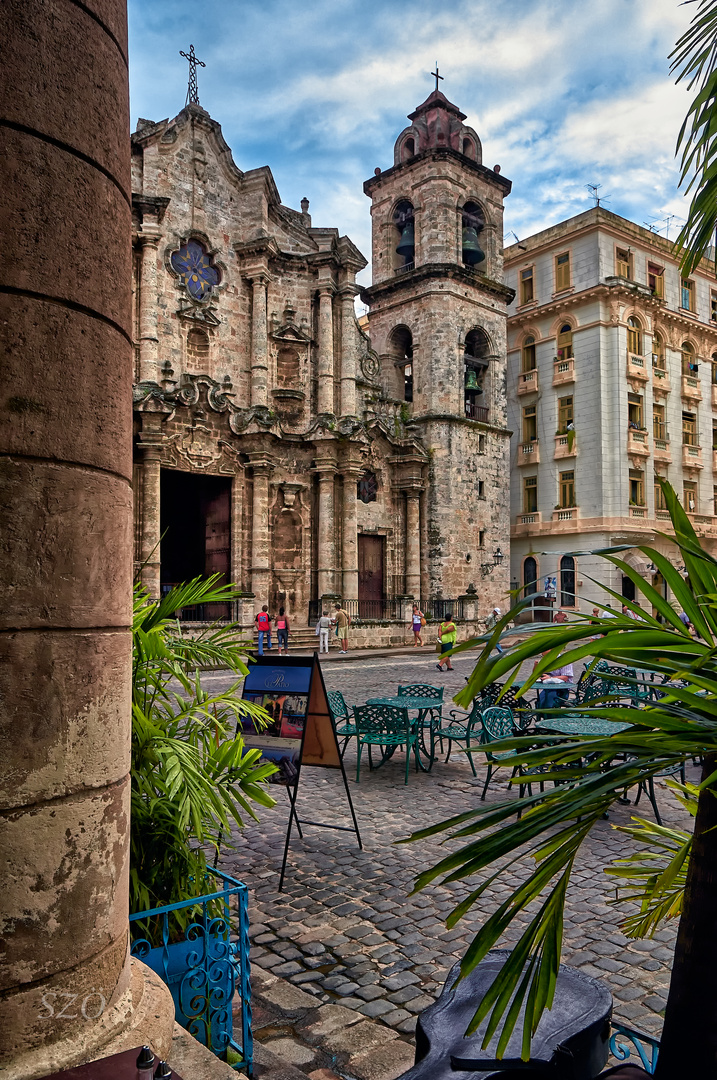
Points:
(192, 89)
(434, 75)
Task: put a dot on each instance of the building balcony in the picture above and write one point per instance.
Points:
(566, 513)
(662, 515)
(532, 518)
(637, 367)
(691, 388)
(565, 446)
(638, 511)
(692, 457)
(564, 371)
(476, 412)
(661, 451)
(529, 453)
(638, 442)
(528, 381)
(660, 380)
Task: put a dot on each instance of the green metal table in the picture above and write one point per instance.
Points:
(421, 705)
(580, 725)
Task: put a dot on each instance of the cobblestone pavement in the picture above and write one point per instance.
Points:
(346, 929)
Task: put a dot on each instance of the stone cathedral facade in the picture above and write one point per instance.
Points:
(276, 442)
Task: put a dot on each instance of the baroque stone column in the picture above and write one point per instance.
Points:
(150, 445)
(325, 402)
(260, 573)
(413, 543)
(327, 529)
(259, 342)
(65, 537)
(148, 340)
(349, 550)
(348, 351)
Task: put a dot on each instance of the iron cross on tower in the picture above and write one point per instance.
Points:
(435, 75)
(192, 89)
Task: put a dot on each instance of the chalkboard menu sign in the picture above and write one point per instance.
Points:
(301, 731)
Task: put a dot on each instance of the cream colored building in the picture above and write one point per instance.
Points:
(612, 382)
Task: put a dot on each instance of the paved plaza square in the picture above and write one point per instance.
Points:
(346, 928)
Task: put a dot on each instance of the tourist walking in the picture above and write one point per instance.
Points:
(418, 621)
(490, 623)
(323, 628)
(446, 638)
(341, 620)
(282, 631)
(263, 625)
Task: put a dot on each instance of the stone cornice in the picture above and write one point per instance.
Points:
(441, 154)
(426, 418)
(150, 205)
(433, 271)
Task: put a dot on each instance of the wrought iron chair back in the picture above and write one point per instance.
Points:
(423, 690)
(372, 720)
(497, 723)
(337, 705)
(460, 729)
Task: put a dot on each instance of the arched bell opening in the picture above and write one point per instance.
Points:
(473, 222)
(476, 358)
(401, 349)
(404, 222)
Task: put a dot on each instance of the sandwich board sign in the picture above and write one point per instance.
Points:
(301, 732)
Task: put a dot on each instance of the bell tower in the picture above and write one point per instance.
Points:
(437, 321)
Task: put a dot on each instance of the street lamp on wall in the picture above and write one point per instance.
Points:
(488, 568)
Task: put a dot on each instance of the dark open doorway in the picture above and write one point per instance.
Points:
(195, 521)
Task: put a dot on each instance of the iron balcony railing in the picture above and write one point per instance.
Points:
(476, 412)
(437, 609)
(205, 968)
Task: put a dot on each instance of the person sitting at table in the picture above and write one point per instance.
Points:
(554, 697)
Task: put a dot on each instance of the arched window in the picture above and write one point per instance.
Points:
(404, 222)
(658, 351)
(197, 344)
(634, 336)
(567, 581)
(401, 347)
(473, 221)
(409, 149)
(689, 360)
(530, 576)
(475, 366)
(565, 342)
(469, 149)
(529, 354)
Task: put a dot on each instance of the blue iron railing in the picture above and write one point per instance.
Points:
(204, 969)
(646, 1047)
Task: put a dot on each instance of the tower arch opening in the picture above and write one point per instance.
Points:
(472, 224)
(401, 349)
(404, 235)
(476, 359)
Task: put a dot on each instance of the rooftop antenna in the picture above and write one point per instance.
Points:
(597, 199)
(523, 247)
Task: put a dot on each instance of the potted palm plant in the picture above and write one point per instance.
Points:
(192, 778)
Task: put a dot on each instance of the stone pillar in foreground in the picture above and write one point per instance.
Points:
(65, 536)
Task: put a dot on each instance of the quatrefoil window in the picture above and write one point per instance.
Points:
(194, 267)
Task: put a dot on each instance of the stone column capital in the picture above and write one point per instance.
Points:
(348, 291)
(150, 236)
(326, 288)
(259, 279)
(260, 463)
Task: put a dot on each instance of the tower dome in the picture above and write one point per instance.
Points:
(437, 124)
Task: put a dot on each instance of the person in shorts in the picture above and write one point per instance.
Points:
(447, 638)
(418, 621)
(342, 620)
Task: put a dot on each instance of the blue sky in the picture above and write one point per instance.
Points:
(563, 93)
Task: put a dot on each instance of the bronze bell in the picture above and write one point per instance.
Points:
(472, 251)
(472, 381)
(407, 243)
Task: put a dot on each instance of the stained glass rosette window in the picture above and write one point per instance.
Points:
(192, 264)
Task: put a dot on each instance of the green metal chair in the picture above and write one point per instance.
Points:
(341, 715)
(388, 727)
(460, 730)
(431, 693)
(497, 723)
